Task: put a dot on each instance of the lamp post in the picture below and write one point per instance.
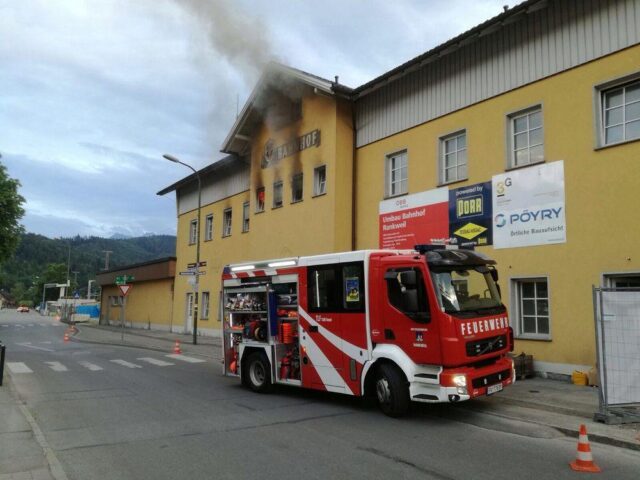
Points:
(173, 159)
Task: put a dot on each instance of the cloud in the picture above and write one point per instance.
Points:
(94, 92)
(63, 202)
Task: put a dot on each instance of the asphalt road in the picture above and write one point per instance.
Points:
(127, 413)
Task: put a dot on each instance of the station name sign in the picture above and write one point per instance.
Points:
(273, 154)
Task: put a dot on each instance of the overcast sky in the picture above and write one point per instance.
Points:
(93, 92)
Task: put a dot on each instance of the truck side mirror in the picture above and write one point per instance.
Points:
(408, 279)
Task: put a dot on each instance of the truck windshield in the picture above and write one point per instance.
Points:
(466, 290)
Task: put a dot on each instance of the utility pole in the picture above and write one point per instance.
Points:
(106, 258)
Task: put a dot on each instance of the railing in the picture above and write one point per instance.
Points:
(617, 319)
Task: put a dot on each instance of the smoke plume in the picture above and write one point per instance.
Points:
(241, 38)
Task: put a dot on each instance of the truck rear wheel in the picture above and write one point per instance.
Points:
(257, 374)
(392, 391)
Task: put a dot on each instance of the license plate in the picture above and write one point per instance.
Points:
(491, 389)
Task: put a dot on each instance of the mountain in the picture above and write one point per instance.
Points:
(24, 274)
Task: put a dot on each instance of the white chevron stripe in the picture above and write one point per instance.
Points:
(328, 374)
(348, 348)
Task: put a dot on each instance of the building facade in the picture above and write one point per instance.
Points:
(149, 299)
(520, 135)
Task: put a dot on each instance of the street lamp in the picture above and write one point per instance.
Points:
(173, 159)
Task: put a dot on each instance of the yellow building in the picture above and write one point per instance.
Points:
(539, 108)
(149, 298)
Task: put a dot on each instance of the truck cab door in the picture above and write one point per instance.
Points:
(410, 322)
(333, 327)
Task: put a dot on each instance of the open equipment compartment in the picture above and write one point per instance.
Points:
(287, 346)
(263, 314)
(245, 321)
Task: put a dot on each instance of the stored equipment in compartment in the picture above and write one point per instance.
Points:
(424, 325)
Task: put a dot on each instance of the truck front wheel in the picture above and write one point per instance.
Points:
(392, 391)
(257, 373)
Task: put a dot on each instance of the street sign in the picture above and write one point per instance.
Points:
(124, 289)
(193, 265)
(122, 279)
(191, 272)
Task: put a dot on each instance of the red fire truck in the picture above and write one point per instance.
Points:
(424, 325)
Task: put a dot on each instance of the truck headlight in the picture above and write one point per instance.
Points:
(459, 380)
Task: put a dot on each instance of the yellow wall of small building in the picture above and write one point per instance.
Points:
(147, 303)
(601, 191)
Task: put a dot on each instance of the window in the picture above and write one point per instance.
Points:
(406, 292)
(245, 217)
(208, 228)
(226, 223)
(532, 305)
(453, 157)
(320, 180)
(337, 288)
(628, 280)
(526, 137)
(260, 199)
(193, 232)
(620, 116)
(205, 306)
(396, 174)
(277, 194)
(296, 188)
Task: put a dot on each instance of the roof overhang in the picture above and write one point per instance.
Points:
(274, 76)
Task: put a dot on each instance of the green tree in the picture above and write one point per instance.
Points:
(55, 273)
(11, 212)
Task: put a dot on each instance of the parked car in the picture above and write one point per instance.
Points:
(23, 309)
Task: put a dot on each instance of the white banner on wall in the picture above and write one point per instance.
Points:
(529, 206)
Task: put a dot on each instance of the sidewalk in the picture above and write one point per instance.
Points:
(553, 403)
(22, 456)
(210, 347)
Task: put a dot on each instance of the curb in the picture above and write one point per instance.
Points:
(602, 439)
(567, 432)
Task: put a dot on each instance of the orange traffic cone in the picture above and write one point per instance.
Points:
(584, 460)
(66, 337)
(176, 348)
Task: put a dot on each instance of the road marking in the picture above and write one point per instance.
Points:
(43, 324)
(30, 325)
(57, 366)
(28, 345)
(91, 366)
(5, 326)
(155, 361)
(124, 363)
(184, 358)
(46, 343)
(18, 367)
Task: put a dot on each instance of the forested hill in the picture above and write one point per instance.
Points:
(39, 259)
